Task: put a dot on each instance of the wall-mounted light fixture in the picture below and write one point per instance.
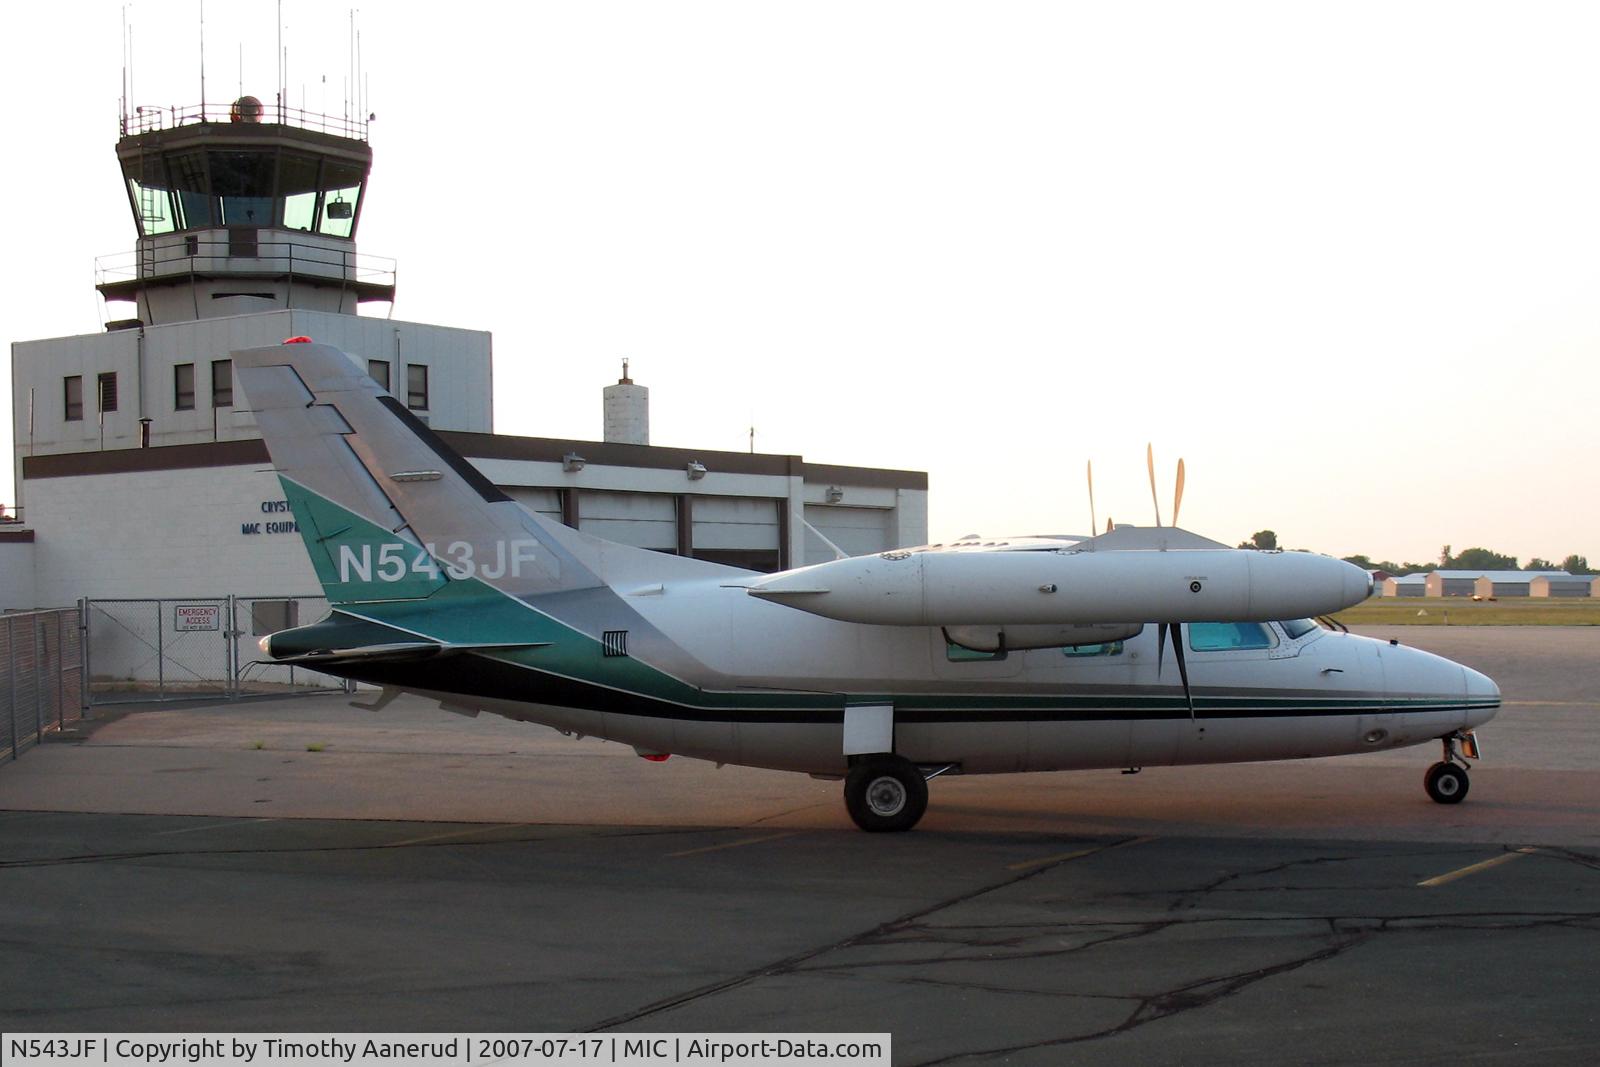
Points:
(572, 462)
(835, 494)
(696, 470)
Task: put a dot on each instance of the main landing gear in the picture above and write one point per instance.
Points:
(886, 794)
(1446, 781)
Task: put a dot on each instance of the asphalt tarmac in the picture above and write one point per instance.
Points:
(200, 868)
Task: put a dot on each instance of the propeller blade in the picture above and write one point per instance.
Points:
(1109, 524)
(1093, 525)
(1161, 646)
(1183, 668)
(1150, 464)
(1177, 497)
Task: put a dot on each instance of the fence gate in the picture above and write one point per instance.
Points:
(41, 676)
(173, 648)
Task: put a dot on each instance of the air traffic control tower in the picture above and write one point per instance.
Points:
(141, 474)
(250, 214)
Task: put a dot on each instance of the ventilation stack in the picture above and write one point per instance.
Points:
(627, 411)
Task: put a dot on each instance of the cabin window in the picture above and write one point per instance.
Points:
(72, 394)
(1229, 636)
(378, 371)
(183, 387)
(1110, 648)
(222, 383)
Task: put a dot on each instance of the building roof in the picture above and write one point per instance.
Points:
(1503, 576)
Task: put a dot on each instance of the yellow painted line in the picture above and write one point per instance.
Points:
(730, 844)
(1548, 703)
(1063, 857)
(211, 826)
(1474, 868)
(458, 833)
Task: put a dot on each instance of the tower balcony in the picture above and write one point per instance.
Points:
(212, 273)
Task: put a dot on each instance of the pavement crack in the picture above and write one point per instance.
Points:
(1185, 898)
(1176, 1001)
(790, 964)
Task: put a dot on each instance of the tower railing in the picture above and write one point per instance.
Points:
(148, 118)
(203, 253)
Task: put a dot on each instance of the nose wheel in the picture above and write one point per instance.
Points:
(1446, 781)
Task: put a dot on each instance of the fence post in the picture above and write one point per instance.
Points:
(11, 665)
(85, 701)
(61, 669)
(230, 648)
(38, 678)
(161, 653)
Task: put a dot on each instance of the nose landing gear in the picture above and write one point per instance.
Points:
(1446, 781)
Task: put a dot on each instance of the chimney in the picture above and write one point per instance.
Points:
(627, 411)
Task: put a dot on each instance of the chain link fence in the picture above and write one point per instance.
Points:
(41, 676)
(174, 648)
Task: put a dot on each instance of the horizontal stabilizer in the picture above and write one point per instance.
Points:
(398, 652)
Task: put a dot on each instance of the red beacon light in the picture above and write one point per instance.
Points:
(301, 340)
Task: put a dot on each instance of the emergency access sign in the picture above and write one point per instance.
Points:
(197, 617)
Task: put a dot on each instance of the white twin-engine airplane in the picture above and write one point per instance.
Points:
(1033, 654)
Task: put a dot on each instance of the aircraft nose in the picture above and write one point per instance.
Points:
(1483, 695)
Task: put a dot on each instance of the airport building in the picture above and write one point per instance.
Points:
(1486, 584)
(139, 472)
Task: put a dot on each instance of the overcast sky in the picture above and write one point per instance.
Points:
(1343, 258)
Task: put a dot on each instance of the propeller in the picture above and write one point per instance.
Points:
(1093, 525)
(1150, 465)
(1177, 654)
(1177, 496)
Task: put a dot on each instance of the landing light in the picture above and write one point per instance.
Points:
(301, 340)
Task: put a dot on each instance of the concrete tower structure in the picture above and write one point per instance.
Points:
(627, 411)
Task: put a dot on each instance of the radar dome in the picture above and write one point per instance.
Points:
(245, 109)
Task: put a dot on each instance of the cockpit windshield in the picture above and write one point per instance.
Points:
(1298, 628)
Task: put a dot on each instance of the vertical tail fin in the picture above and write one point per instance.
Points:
(387, 510)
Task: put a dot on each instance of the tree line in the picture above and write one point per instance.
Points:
(1470, 559)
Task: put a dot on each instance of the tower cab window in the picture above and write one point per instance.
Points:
(1230, 636)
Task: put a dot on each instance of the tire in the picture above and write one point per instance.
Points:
(1446, 783)
(885, 794)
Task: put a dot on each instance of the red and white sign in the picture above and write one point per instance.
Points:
(197, 617)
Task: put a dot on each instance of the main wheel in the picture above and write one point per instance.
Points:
(1446, 783)
(885, 794)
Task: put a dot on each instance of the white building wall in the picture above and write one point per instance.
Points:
(459, 379)
(164, 533)
(17, 588)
